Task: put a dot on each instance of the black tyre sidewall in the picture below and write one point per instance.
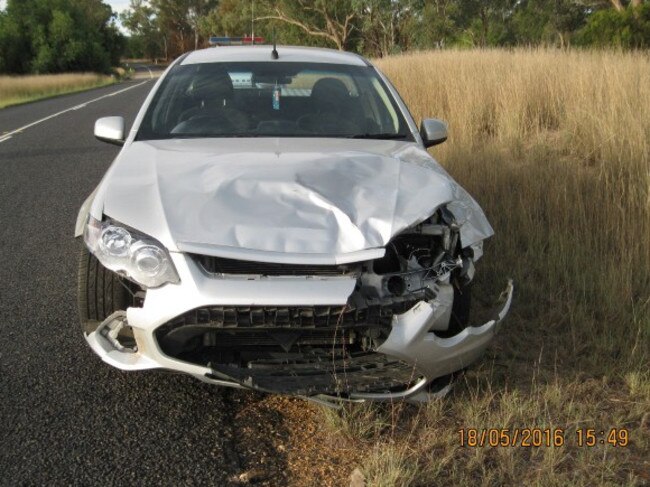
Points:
(99, 291)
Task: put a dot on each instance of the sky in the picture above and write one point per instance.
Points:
(118, 5)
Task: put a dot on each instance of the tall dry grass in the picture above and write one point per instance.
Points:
(20, 89)
(555, 146)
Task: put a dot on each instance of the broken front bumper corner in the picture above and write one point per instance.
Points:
(412, 341)
(104, 342)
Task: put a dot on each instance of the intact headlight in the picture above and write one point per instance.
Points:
(126, 251)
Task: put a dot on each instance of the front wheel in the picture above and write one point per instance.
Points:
(100, 292)
(461, 308)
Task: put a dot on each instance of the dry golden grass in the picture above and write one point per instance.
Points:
(21, 89)
(556, 148)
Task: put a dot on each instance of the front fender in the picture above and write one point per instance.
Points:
(82, 216)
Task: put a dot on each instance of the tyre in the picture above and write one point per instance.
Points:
(460, 310)
(100, 292)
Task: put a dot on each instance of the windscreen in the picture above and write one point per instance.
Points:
(273, 99)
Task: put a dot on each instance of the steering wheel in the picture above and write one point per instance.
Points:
(326, 124)
(201, 124)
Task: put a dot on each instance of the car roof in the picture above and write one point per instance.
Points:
(262, 53)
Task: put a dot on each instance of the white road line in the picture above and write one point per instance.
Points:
(8, 135)
(145, 67)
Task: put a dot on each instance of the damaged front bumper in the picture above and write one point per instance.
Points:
(434, 356)
(409, 357)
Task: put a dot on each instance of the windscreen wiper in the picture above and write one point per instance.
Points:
(385, 136)
(207, 135)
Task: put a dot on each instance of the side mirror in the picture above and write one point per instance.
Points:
(110, 129)
(433, 131)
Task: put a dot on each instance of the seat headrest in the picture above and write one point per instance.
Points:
(212, 87)
(330, 93)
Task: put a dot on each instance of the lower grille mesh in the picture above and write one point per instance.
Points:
(321, 374)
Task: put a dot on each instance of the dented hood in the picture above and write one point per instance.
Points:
(291, 200)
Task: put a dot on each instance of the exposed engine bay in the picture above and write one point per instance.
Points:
(423, 263)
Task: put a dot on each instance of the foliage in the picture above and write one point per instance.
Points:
(51, 36)
(145, 40)
(538, 22)
(60, 35)
(166, 28)
(628, 28)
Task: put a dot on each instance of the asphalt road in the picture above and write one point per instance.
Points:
(146, 70)
(65, 416)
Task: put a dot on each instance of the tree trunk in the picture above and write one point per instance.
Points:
(485, 28)
(617, 5)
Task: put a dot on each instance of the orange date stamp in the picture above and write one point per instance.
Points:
(542, 437)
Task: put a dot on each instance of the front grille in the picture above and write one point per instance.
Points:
(294, 350)
(292, 316)
(219, 265)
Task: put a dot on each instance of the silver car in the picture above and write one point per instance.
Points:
(274, 222)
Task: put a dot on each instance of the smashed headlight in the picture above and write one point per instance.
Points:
(431, 248)
(425, 262)
(128, 252)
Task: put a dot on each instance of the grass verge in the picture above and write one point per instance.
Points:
(555, 146)
(15, 90)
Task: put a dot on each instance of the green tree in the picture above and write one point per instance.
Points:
(618, 5)
(146, 38)
(440, 23)
(60, 35)
(235, 18)
(547, 22)
(530, 22)
(627, 28)
(477, 22)
(333, 21)
(387, 26)
(566, 18)
(15, 49)
(180, 22)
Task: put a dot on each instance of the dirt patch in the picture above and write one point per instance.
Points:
(283, 441)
